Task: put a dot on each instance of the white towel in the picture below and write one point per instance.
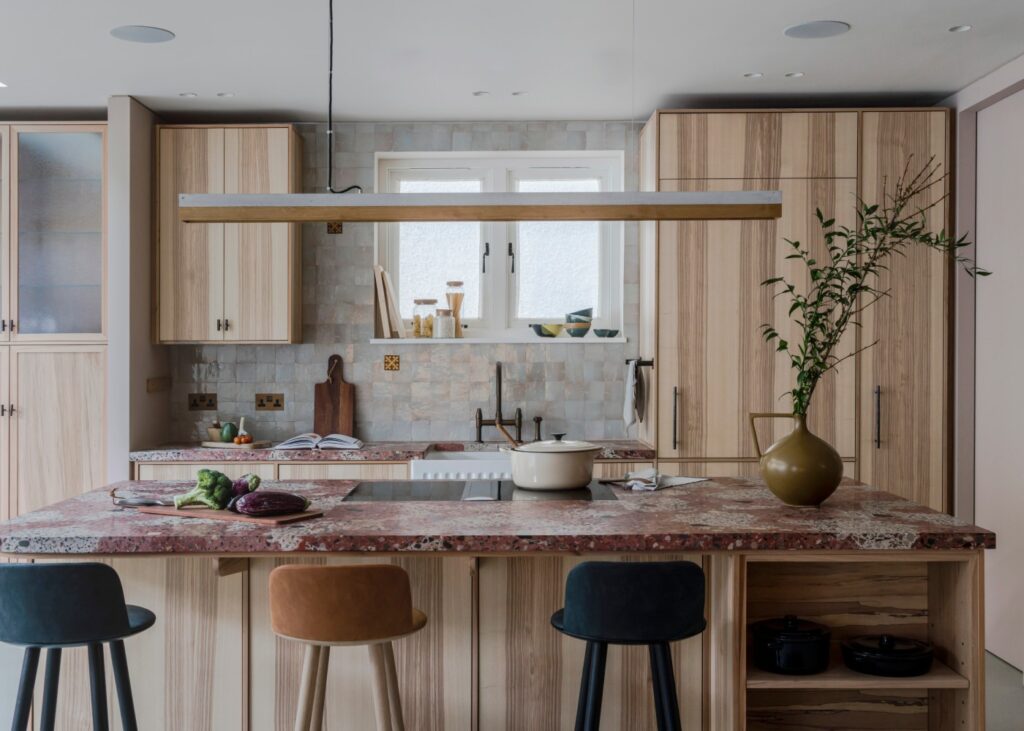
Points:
(649, 479)
(629, 406)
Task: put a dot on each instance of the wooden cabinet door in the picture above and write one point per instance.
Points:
(258, 264)
(713, 366)
(5, 432)
(746, 145)
(57, 443)
(904, 424)
(5, 231)
(191, 256)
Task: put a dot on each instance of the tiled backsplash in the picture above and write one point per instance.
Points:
(577, 388)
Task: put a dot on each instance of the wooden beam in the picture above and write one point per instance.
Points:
(408, 207)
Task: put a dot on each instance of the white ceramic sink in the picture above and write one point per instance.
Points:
(439, 465)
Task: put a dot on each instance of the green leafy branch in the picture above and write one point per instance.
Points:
(847, 282)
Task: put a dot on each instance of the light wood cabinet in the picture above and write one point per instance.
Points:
(188, 470)
(56, 418)
(905, 381)
(227, 282)
(353, 471)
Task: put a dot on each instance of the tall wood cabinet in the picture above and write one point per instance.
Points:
(704, 305)
(227, 282)
(52, 313)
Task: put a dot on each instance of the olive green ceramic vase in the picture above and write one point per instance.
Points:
(800, 468)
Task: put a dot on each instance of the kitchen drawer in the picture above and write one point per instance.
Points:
(350, 471)
(188, 470)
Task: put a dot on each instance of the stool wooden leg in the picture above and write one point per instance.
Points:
(98, 685)
(595, 686)
(394, 699)
(665, 699)
(320, 695)
(119, 663)
(307, 689)
(48, 717)
(381, 705)
(28, 683)
(581, 705)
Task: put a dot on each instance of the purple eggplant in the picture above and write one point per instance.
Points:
(245, 484)
(268, 502)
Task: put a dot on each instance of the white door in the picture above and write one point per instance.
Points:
(999, 493)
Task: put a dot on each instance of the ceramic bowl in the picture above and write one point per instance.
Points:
(577, 329)
(547, 330)
(586, 315)
(604, 333)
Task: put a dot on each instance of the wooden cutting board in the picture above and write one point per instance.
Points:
(334, 402)
(228, 515)
(261, 444)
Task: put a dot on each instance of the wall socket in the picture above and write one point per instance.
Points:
(270, 402)
(202, 402)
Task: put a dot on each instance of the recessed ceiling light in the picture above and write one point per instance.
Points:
(960, 28)
(225, 94)
(3, 85)
(142, 34)
(818, 29)
(188, 94)
(753, 75)
(519, 93)
(481, 93)
(794, 74)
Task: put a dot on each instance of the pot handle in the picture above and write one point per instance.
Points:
(764, 415)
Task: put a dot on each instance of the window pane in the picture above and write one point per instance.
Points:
(559, 267)
(430, 254)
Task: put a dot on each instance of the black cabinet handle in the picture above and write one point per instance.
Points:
(487, 253)
(675, 417)
(3, 410)
(11, 323)
(227, 324)
(3, 325)
(10, 409)
(219, 325)
(512, 254)
(878, 417)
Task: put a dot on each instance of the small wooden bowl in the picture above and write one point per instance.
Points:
(213, 434)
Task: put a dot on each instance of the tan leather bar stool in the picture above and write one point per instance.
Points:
(324, 606)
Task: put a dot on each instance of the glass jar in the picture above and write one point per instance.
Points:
(444, 324)
(423, 318)
(455, 294)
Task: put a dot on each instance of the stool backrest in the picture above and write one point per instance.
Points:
(61, 604)
(340, 603)
(636, 601)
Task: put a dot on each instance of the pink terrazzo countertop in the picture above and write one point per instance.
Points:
(721, 514)
(370, 452)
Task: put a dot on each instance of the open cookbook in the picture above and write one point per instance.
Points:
(315, 441)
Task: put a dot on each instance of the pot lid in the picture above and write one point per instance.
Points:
(791, 628)
(889, 647)
(558, 445)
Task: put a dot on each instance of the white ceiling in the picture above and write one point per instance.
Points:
(422, 59)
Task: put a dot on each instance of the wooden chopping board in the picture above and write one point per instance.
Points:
(228, 515)
(334, 402)
(261, 444)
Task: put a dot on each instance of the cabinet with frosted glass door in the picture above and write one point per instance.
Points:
(55, 252)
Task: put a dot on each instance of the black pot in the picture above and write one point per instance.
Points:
(790, 646)
(893, 657)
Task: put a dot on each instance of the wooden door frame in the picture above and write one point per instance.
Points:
(12, 249)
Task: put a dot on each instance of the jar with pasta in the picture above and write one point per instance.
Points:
(423, 318)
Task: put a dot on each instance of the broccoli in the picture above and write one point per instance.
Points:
(213, 489)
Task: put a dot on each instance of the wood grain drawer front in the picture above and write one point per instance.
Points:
(703, 145)
(187, 471)
(351, 471)
(905, 427)
(714, 367)
(191, 257)
(612, 470)
(728, 469)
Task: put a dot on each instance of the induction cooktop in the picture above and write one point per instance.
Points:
(468, 491)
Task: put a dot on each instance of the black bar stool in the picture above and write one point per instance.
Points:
(53, 606)
(649, 603)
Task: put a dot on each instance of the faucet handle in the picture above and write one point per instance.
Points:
(558, 437)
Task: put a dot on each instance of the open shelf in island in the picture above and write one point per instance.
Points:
(840, 677)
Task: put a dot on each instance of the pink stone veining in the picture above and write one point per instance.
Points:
(724, 514)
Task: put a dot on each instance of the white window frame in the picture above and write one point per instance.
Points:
(500, 172)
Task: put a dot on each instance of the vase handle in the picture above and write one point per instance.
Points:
(764, 415)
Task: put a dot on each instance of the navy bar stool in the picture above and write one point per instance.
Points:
(648, 603)
(53, 606)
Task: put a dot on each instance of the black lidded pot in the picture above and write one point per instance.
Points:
(889, 656)
(790, 646)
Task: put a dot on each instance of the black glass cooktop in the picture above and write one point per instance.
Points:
(467, 491)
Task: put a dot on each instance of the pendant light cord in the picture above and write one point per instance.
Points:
(330, 107)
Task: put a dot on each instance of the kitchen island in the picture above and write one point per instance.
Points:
(489, 575)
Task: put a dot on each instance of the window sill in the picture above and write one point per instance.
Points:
(513, 340)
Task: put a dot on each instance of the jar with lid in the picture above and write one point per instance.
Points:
(455, 294)
(444, 324)
(423, 318)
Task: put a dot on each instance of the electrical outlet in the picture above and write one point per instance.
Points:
(202, 402)
(392, 362)
(270, 402)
